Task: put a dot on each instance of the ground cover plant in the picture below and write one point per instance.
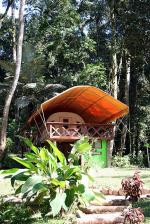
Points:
(133, 216)
(132, 187)
(14, 214)
(48, 177)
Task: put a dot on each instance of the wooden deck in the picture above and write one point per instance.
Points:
(58, 131)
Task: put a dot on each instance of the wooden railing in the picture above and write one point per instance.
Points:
(69, 132)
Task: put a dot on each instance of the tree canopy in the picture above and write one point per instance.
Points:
(104, 43)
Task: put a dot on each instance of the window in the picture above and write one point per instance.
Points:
(78, 126)
(66, 120)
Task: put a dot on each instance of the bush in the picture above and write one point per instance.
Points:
(133, 216)
(137, 160)
(119, 161)
(48, 176)
(132, 187)
(14, 214)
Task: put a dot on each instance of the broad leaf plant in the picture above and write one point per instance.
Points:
(47, 175)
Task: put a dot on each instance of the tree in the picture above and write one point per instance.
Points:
(15, 81)
(70, 42)
(9, 3)
(13, 31)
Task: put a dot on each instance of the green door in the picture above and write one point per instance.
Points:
(99, 156)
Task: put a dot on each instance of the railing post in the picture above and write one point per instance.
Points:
(50, 131)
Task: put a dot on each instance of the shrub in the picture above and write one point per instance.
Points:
(48, 176)
(137, 160)
(133, 216)
(14, 214)
(119, 161)
(132, 187)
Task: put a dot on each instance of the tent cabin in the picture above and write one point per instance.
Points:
(77, 112)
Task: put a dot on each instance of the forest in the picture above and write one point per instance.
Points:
(51, 45)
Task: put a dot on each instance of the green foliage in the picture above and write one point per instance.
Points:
(61, 42)
(121, 161)
(93, 74)
(48, 176)
(70, 43)
(5, 39)
(14, 214)
(138, 160)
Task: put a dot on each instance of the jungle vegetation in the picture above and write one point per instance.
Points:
(104, 43)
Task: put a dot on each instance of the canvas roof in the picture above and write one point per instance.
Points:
(91, 103)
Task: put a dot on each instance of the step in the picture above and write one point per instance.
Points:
(109, 191)
(102, 209)
(111, 202)
(105, 218)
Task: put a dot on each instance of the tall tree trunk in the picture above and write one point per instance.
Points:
(127, 87)
(114, 66)
(13, 31)
(15, 81)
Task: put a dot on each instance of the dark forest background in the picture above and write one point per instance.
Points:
(104, 43)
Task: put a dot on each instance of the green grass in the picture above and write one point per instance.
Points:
(5, 187)
(50, 221)
(107, 177)
(111, 177)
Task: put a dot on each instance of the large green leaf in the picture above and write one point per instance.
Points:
(31, 157)
(39, 187)
(80, 188)
(9, 171)
(57, 182)
(30, 145)
(71, 171)
(52, 164)
(58, 153)
(30, 183)
(81, 146)
(19, 175)
(70, 196)
(18, 190)
(57, 203)
(25, 162)
(44, 154)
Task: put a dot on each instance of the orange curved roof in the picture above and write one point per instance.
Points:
(91, 103)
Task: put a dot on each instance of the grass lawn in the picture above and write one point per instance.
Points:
(51, 221)
(111, 177)
(5, 186)
(107, 177)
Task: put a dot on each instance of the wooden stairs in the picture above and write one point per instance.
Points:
(109, 212)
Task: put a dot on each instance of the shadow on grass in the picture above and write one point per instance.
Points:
(144, 176)
(21, 213)
(111, 177)
(123, 176)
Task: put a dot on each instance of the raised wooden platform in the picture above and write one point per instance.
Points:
(66, 132)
